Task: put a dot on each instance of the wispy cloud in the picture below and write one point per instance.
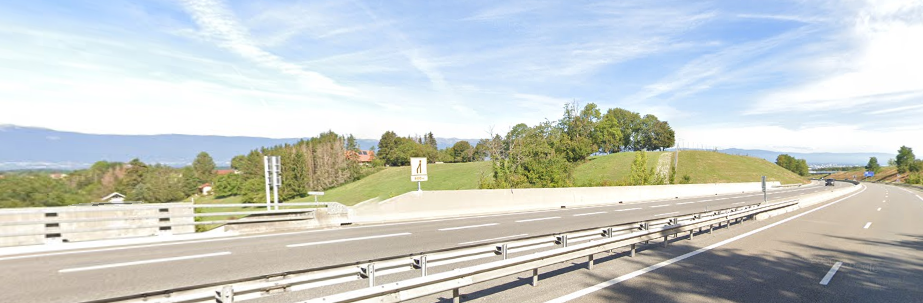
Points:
(879, 66)
(220, 25)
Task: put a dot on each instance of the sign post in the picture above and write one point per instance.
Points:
(418, 171)
(765, 198)
(315, 194)
(272, 167)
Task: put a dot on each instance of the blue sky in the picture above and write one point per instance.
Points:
(800, 76)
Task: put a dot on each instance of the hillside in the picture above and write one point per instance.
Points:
(393, 181)
(701, 166)
(714, 167)
(609, 168)
(887, 174)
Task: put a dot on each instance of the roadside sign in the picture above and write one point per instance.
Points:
(418, 170)
(869, 174)
(315, 193)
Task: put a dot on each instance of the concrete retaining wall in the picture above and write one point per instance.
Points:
(453, 203)
(49, 231)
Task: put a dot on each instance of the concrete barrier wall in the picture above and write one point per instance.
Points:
(50, 232)
(811, 199)
(453, 203)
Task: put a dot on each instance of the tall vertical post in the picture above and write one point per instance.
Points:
(266, 173)
(276, 163)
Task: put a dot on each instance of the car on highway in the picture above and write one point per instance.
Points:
(829, 182)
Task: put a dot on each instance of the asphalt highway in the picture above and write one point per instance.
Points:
(866, 247)
(90, 274)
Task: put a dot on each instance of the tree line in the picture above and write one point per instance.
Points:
(138, 181)
(798, 166)
(545, 155)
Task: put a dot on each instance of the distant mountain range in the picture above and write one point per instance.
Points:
(816, 159)
(39, 148)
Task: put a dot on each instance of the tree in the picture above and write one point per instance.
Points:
(204, 167)
(629, 124)
(227, 185)
(134, 175)
(576, 138)
(462, 151)
(351, 143)
(873, 165)
(607, 135)
(664, 136)
(905, 159)
(798, 166)
(387, 144)
(161, 184)
(430, 140)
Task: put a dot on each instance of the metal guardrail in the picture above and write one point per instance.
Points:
(51, 220)
(571, 245)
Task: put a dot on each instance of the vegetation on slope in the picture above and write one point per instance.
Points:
(714, 167)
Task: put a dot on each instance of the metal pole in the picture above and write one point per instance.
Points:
(419, 187)
(266, 170)
(275, 173)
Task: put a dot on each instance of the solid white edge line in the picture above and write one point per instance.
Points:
(493, 239)
(590, 214)
(537, 219)
(867, 225)
(347, 240)
(669, 213)
(626, 277)
(467, 227)
(687, 203)
(830, 273)
(143, 262)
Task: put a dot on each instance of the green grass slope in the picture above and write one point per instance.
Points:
(714, 167)
(395, 181)
(609, 168)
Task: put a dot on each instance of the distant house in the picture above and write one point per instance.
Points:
(114, 198)
(58, 176)
(205, 189)
(362, 156)
(222, 172)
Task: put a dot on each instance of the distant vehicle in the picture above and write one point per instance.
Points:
(829, 182)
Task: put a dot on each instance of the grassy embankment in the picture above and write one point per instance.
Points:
(714, 167)
(701, 166)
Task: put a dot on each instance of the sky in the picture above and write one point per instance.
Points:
(797, 76)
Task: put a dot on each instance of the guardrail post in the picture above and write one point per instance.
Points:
(535, 277)
(633, 250)
(561, 240)
(607, 233)
(691, 232)
(710, 227)
(420, 263)
(456, 296)
(368, 272)
(225, 294)
(589, 264)
(666, 240)
(503, 250)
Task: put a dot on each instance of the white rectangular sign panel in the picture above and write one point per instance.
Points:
(418, 169)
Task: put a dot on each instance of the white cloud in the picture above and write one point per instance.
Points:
(220, 25)
(879, 65)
